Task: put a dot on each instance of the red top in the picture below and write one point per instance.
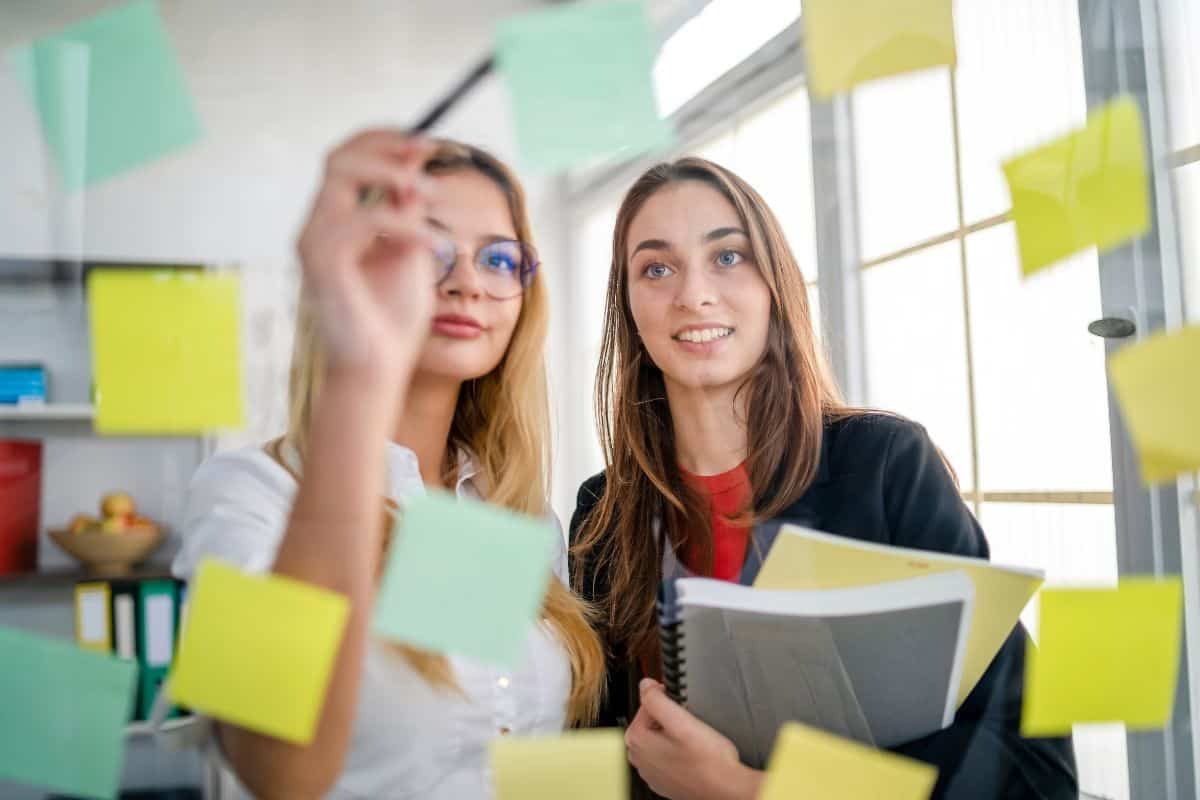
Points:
(728, 494)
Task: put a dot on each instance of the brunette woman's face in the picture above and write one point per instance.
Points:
(471, 330)
(701, 306)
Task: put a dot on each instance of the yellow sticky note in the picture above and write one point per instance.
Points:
(853, 41)
(807, 762)
(1157, 384)
(1105, 655)
(1086, 189)
(258, 650)
(581, 765)
(166, 353)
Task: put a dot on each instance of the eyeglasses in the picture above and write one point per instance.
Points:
(506, 268)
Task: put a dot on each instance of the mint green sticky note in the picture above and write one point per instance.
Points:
(109, 93)
(580, 81)
(63, 712)
(464, 578)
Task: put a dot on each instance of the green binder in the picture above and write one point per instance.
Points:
(156, 639)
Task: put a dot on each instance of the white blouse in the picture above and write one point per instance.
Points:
(409, 739)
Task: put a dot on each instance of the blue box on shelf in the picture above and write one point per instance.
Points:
(22, 384)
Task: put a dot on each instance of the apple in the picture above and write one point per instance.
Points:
(114, 525)
(139, 523)
(117, 504)
(82, 523)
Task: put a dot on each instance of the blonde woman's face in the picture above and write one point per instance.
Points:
(700, 304)
(471, 330)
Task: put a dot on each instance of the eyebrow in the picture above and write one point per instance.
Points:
(487, 238)
(662, 244)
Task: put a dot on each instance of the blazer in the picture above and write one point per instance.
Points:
(881, 479)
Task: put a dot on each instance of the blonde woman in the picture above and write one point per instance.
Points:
(417, 363)
(718, 413)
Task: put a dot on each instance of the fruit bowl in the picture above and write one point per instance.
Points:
(113, 543)
(108, 554)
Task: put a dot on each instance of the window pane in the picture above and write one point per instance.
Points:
(1041, 398)
(774, 156)
(1074, 544)
(1020, 83)
(1187, 194)
(904, 160)
(1180, 28)
(916, 352)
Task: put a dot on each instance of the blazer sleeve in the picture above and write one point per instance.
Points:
(982, 754)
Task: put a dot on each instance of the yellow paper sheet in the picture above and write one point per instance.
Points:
(804, 559)
(1157, 383)
(1104, 655)
(809, 763)
(580, 765)
(1086, 189)
(165, 351)
(258, 650)
(853, 41)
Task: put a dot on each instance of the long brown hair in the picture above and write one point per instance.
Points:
(789, 395)
(502, 419)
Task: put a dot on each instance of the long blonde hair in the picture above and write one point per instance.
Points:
(503, 420)
(790, 394)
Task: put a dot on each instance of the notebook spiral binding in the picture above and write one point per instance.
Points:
(670, 636)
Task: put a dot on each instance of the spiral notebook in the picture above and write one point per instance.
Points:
(878, 664)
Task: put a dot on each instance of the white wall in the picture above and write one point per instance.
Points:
(275, 84)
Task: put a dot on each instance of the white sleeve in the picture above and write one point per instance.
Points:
(237, 509)
(558, 550)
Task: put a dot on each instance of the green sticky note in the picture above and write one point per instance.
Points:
(580, 81)
(1157, 383)
(1086, 189)
(63, 712)
(849, 42)
(1104, 655)
(110, 93)
(465, 578)
(166, 355)
(258, 650)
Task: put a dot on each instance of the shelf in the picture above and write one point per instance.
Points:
(69, 576)
(50, 412)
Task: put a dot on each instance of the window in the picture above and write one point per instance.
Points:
(995, 367)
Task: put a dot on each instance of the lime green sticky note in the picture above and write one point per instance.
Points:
(807, 762)
(110, 93)
(258, 650)
(166, 350)
(1104, 655)
(849, 42)
(580, 81)
(63, 712)
(582, 765)
(1085, 189)
(1157, 384)
(464, 577)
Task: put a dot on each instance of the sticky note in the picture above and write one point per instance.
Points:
(258, 650)
(579, 77)
(464, 577)
(1085, 189)
(807, 762)
(166, 350)
(109, 93)
(1157, 385)
(849, 42)
(63, 712)
(1104, 655)
(581, 765)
